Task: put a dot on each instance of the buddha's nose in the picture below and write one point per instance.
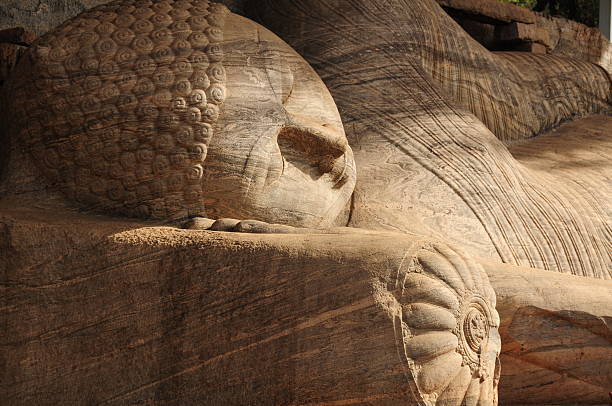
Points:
(315, 144)
(328, 139)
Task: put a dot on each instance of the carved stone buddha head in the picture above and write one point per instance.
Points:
(173, 108)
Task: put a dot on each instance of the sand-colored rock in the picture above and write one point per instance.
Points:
(426, 162)
(506, 27)
(270, 304)
(115, 312)
(127, 151)
(160, 112)
(577, 41)
(273, 149)
(495, 10)
(557, 336)
(327, 332)
(524, 32)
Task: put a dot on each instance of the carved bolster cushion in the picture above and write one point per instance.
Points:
(116, 314)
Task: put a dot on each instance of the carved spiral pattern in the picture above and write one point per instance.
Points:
(475, 330)
(447, 329)
(119, 104)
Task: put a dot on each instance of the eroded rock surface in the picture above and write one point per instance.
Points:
(431, 142)
(172, 109)
(439, 151)
(492, 10)
(42, 16)
(557, 337)
(507, 27)
(115, 312)
(176, 109)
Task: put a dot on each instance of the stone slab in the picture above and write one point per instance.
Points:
(103, 311)
(524, 32)
(557, 336)
(496, 10)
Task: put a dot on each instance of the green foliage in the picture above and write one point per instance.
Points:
(522, 3)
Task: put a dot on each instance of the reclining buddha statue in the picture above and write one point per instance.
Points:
(448, 140)
(421, 154)
(159, 111)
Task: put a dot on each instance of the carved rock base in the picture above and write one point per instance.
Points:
(557, 337)
(103, 311)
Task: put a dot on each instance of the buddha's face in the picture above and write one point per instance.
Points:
(166, 109)
(279, 153)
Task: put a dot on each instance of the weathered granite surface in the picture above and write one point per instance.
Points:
(172, 316)
(557, 337)
(577, 41)
(157, 112)
(506, 27)
(494, 10)
(431, 144)
(104, 311)
(120, 312)
(41, 16)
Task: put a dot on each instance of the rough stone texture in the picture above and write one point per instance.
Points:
(101, 311)
(482, 32)
(107, 311)
(557, 337)
(508, 27)
(525, 33)
(533, 47)
(575, 153)
(429, 166)
(492, 9)
(138, 113)
(132, 149)
(577, 41)
(41, 16)
(414, 135)
(153, 320)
